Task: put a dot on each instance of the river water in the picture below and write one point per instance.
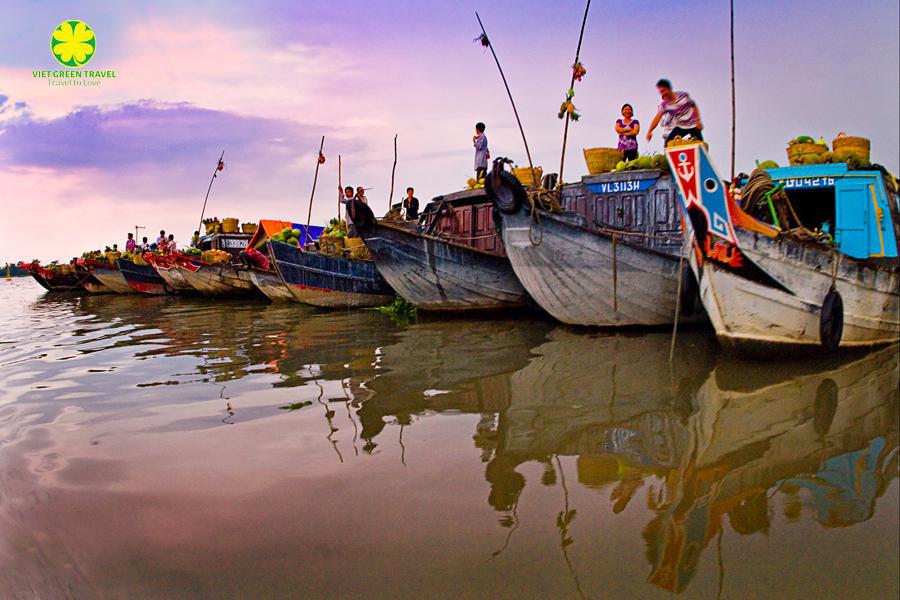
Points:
(171, 447)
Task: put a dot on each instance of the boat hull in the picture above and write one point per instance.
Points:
(217, 280)
(584, 277)
(436, 275)
(113, 279)
(270, 284)
(329, 281)
(143, 278)
(166, 268)
(750, 316)
(56, 282)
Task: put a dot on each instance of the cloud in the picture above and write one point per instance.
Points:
(143, 133)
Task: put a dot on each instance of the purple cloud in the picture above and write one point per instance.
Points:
(144, 133)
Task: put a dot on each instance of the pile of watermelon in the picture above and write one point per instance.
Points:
(288, 236)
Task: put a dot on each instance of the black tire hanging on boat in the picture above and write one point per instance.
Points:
(507, 193)
(831, 320)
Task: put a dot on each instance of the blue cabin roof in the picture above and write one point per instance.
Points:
(863, 221)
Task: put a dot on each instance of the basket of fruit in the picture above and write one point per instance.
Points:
(804, 150)
(847, 146)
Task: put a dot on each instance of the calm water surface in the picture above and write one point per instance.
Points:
(166, 447)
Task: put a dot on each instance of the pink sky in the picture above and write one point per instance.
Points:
(79, 167)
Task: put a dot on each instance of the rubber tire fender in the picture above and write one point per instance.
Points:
(506, 192)
(831, 320)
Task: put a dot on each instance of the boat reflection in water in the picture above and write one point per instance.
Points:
(275, 450)
(826, 441)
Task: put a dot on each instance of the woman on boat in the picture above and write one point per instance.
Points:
(628, 128)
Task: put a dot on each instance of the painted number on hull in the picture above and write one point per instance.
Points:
(612, 187)
(806, 183)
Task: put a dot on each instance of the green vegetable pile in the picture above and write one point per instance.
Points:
(336, 229)
(288, 236)
(400, 311)
(657, 161)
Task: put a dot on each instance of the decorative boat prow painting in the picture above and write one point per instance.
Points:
(765, 285)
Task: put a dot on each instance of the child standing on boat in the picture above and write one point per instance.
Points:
(680, 111)
(482, 154)
(628, 129)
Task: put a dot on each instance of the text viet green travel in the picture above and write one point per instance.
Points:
(110, 74)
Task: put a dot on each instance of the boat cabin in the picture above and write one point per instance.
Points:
(464, 217)
(641, 202)
(232, 243)
(855, 207)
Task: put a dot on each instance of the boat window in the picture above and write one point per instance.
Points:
(813, 207)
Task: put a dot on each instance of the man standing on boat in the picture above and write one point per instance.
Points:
(482, 154)
(411, 205)
(680, 111)
(130, 243)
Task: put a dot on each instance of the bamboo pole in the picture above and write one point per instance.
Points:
(562, 159)
(508, 93)
(733, 114)
(677, 306)
(213, 178)
(340, 189)
(313, 193)
(393, 171)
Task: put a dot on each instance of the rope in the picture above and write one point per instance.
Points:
(547, 200)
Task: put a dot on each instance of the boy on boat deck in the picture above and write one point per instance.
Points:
(482, 154)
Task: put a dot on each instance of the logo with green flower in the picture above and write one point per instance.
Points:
(73, 43)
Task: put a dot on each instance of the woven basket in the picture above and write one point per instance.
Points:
(844, 144)
(525, 177)
(249, 228)
(602, 160)
(357, 248)
(795, 151)
(213, 227)
(229, 225)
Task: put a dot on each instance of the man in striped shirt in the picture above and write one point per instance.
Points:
(679, 112)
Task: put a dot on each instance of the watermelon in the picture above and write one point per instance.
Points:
(296, 233)
(286, 231)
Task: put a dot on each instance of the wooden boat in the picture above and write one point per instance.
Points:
(229, 279)
(269, 280)
(766, 287)
(215, 280)
(143, 278)
(329, 281)
(608, 254)
(167, 268)
(54, 278)
(450, 260)
(108, 274)
(89, 283)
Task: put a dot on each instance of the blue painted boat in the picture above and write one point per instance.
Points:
(823, 274)
(143, 278)
(329, 281)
